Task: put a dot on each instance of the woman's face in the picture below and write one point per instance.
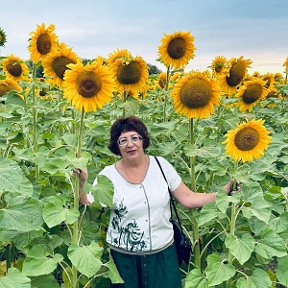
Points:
(130, 145)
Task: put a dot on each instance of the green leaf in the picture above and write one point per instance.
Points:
(45, 281)
(208, 213)
(204, 152)
(259, 208)
(195, 279)
(217, 271)
(103, 190)
(240, 248)
(282, 271)
(222, 202)
(86, 258)
(259, 279)
(113, 273)
(21, 214)
(54, 215)
(10, 175)
(270, 244)
(15, 278)
(38, 262)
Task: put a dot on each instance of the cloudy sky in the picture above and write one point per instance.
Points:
(256, 29)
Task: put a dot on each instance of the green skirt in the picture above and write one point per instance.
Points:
(148, 271)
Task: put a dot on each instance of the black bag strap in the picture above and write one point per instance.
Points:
(172, 201)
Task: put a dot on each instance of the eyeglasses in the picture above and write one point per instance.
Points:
(124, 141)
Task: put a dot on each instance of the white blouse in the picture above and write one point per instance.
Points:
(139, 220)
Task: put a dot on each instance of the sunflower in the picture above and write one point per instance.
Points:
(251, 93)
(285, 64)
(130, 75)
(219, 65)
(195, 95)
(235, 74)
(3, 38)
(119, 54)
(176, 49)
(278, 77)
(256, 74)
(43, 41)
(162, 80)
(8, 85)
(55, 64)
(247, 141)
(15, 68)
(269, 79)
(88, 87)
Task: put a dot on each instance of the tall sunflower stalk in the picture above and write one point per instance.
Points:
(165, 94)
(75, 232)
(197, 258)
(34, 121)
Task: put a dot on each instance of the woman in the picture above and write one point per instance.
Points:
(140, 234)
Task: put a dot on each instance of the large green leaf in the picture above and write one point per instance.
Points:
(222, 201)
(10, 175)
(86, 258)
(208, 213)
(103, 191)
(241, 248)
(15, 279)
(54, 215)
(259, 279)
(113, 273)
(204, 152)
(270, 244)
(45, 281)
(258, 208)
(217, 271)
(39, 262)
(21, 214)
(195, 279)
(282, 271)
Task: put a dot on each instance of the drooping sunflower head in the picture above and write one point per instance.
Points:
(88, 87)
(15, 68)
(43, 41)
(219, 65)
(176, 49)
(285, 64)
(162, 80)
(130, 75)
(250, 94)
(256, 74)
(195, 95)
(248, 141)
(55, 64)
(8, 85)
(269, 79)
(3, 37)
(119, 54)
(278, 78)
(235, 75)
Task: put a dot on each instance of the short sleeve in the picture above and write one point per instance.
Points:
(171, 174)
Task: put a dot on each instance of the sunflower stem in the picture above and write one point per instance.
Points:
(75, 234)
(125, 99)
(165, 94)
(232, 222)
(197, 258)
(35, 114)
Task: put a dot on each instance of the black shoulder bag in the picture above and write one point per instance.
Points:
(181, 240)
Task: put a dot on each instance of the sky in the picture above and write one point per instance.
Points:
(255, 29)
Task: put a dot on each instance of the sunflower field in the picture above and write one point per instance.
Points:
(56, 111)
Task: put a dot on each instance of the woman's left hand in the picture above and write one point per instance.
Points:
(229, 187)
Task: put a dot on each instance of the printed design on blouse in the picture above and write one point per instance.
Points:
(129, 235)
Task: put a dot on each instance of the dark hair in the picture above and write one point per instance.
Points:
(131, 123)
